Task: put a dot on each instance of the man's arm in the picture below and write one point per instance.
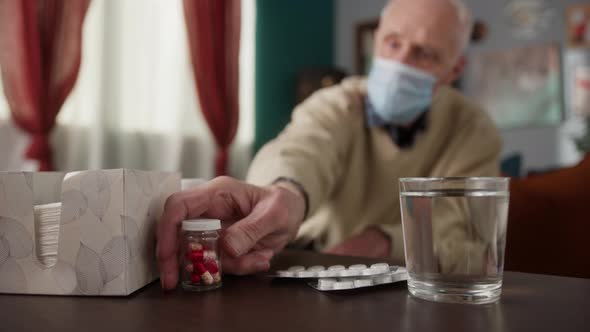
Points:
(313, 149)
(257, 223)
(259, 220)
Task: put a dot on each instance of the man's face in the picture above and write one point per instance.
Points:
(423, 34)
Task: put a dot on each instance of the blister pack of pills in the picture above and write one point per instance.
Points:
(339, 277)
(335, 271)
(347, 283)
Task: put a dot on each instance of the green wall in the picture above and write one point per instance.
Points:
(290, 35)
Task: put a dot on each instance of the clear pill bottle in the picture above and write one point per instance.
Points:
(200, 263)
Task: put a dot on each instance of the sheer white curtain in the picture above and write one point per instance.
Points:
(134, 104)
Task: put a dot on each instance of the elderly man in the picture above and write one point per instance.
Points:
(330, 178)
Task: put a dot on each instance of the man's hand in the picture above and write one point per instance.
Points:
(372, 242)
(257, 223)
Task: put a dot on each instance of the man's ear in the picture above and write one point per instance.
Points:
(456, 71)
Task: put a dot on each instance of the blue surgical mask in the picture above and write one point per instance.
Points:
(399, 93)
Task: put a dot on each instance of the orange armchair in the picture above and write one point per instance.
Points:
(549, 223)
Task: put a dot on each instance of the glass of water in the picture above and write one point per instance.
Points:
(454, 237)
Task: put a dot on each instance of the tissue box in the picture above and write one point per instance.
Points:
(106, 242)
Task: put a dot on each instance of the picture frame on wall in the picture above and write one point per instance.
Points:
(519, 87)
(578, 26)
(365, 32)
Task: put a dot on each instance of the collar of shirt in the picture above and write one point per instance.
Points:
(403, 137)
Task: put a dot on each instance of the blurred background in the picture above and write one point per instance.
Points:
(200, 86)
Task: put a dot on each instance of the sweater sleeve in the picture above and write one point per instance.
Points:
(312, 149)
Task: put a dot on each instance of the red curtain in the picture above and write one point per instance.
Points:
(213, 28)
(40, 58)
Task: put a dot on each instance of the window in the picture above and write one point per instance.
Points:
(134, 103)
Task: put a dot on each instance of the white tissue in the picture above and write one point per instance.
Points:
(47, 221)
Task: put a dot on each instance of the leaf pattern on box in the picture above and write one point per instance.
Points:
(18, 238)
(115, 257)
(156, 209)
(73, 205)
(12, 277)
(138, 194)
(131, 233)
(65, 276)
(15, 195)
(29, 180)
(136, 205)
(4, 249)
(96, 188)
(3, 200)
(100, 263)
(142, 241)
(117, 179)
(139, 274)
(90, 271)
(93, 233)
(143, 181)
(147, 241)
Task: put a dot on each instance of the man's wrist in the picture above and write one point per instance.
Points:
(296, 188)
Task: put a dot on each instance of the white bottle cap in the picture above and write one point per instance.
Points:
(200, 225)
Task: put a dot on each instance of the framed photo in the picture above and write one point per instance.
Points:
(578, 25)
(521, 87)
(364, 46)
(529, 19)
(576, 67)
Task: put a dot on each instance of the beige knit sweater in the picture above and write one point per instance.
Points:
(351, 171)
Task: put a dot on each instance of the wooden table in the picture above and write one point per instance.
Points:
(257, 303)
